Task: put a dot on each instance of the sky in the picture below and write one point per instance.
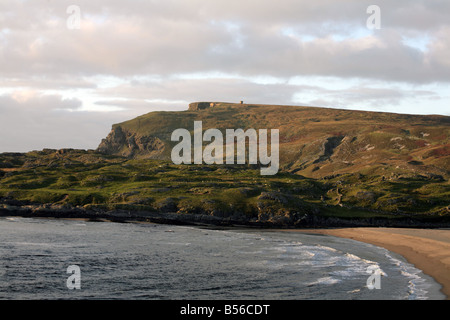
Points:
(71, 69)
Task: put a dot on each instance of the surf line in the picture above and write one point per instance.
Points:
(213, 153)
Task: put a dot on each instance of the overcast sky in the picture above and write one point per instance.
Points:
(64, 86)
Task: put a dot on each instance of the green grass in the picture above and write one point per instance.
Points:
(111, 182)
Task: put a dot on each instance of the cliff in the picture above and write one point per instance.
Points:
(130, 144)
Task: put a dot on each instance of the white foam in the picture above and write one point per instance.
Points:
(354, 291)
(324, 281)
(326, 248)
(355, 257)
(417, 286)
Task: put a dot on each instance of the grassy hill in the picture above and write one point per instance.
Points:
(337, 165)
(314, 142)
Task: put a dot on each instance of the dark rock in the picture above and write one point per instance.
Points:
(120, 141)
(167, 205)
(328, 147)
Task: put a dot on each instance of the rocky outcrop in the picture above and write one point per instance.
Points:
(131, 144)
(328, 148)
(286, 220)
(114, 142)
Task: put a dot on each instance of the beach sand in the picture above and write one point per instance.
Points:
(427, 249)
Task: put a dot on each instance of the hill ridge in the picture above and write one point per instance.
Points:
(314, 141)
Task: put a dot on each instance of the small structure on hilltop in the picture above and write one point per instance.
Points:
(195, 106)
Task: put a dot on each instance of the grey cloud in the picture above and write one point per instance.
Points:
(211, 89)
(372, 98)
(166, 37)
(235, 89)
(46, 122)
(30, 102)
(44, 83)
(138, 107)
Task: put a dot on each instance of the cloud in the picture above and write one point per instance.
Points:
(133, 57)
(141, 106)
(225, 88)
(166, 37)
(30, 101)
(30, 121)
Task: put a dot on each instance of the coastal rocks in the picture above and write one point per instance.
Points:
(8, 207)
(280, 209)
(273, 215)
(213, 208)
(268, 217)
(167, 205)
(41, 209)
(189, 208)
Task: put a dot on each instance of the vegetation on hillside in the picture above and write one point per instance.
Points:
(64, 179)
(314, 142)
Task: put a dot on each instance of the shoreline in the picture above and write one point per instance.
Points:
(427, 249)
(201, 219)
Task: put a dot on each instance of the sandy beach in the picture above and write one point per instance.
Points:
(427, 249)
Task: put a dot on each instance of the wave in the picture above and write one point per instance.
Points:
(418, 287)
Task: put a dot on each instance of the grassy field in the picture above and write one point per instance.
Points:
(90, 180)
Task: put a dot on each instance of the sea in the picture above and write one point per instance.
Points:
(56, 259)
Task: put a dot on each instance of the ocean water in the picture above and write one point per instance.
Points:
(151, 261)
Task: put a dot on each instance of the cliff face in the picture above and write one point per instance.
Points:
(130, 144)
(314, 142)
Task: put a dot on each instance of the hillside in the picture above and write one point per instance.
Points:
(338, 168)
(314, 142)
